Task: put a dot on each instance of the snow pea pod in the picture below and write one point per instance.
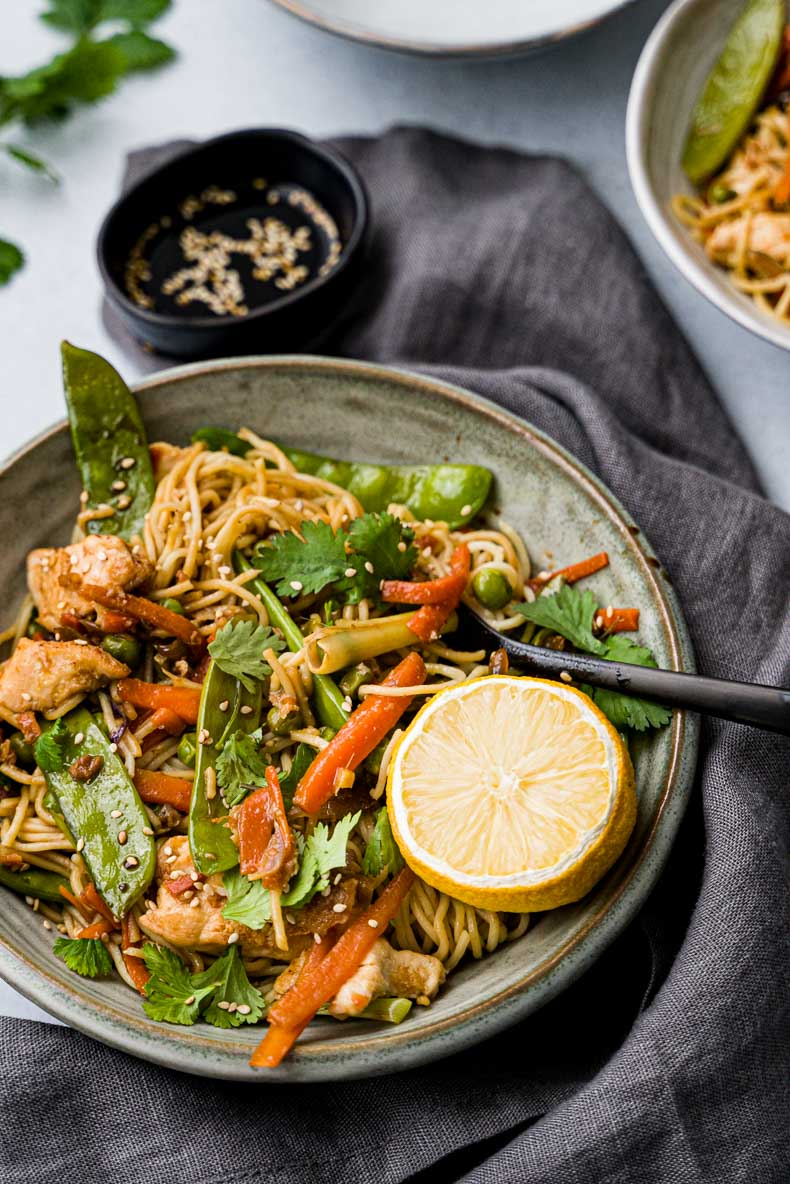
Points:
(216, 439)
(109, 442)
(446, 493)
(328, 699)
(220, 715)
(104, 812)
(34, 881)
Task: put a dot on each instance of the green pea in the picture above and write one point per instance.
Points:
(23, 751)
(187, 749)
(123, 648)
(719, 193)
(492, 588)
(354, 678)
(175, 606)
(282, 725)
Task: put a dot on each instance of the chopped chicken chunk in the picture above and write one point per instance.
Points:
(388, 972)
(100, 559)
(769, 234)
(201, 926)
(44, 675)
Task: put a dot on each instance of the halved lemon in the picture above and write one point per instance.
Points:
(511, 793)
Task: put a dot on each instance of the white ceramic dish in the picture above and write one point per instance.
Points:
(454, 28)
(669, 77)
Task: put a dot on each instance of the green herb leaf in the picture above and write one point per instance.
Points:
(87, 956)
(227, 980)
(141, 51)
(374, 540)
(134, 12)
(238, 650)
(11, 260)
(238, 765)
(311, 562)
(170, 993)
(303, 759)
(36, 163)
(51, 748)
(381, 852)
(217, 439)
(84, 74)
(330, 850)
(627, 711)
(568, 613)
(72, 16)
(248, 901)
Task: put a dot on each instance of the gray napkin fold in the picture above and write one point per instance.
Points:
(669, 1060)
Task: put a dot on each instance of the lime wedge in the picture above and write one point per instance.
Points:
(734, 88)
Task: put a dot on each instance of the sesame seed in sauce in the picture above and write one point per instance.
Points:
(373, 923)
(368, 567)
(131, 862)
(26, 696)
(317, 938)
(116, 813)
(102, 556)
(234, 937)
(233, 1008)
(466, 510)
(339, 908)
(78, 739)
(147, 831)
(338, 878)
(565, 676)
(245, 710)
(118, 486)
(80, 641)
(350, 573)
(401, 545)
(609, 612)
(124, 501)
(194, 904)
(204, 736)
(171, 858)
(193, 877)
(225, 571)
(427, 552)
(122, 836)
(224, 705)
(128, 462)
(176, 873)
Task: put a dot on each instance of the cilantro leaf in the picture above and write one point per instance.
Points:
(72, 16)
(170, 993)
(51, 748)
(312, 562)
(568, 613)
(302, 761)
(238, 650)
(381, 851)
(239, 765)
(248, 900)
(373, 542)
(330, 850)
(35, 163)
(87, 956)
(141, 51)
(80, 16)
(84, 74)
(11, 260)
(227, 981)
(134, 12)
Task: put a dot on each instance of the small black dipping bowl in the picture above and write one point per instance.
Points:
(250, 242)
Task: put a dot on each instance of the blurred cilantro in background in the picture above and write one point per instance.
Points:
(109, 40)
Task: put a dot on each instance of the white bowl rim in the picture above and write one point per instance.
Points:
(640, 98)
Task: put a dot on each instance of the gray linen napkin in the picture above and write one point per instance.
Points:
(669, 1060)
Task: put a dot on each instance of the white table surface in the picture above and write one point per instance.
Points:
(243, 63)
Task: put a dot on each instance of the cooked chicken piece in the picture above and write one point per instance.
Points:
(97, 559)
(44, 675)
(388, 972)
(182, 923)
(769, 234)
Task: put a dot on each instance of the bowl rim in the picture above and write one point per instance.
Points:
(626, 888)
(652, 61)
(351, 31)
(328, 155)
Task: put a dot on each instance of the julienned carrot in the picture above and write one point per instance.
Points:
(617, 620)
(113, 622)
(278, 1042)
(79, 905)
(91, 899)
(428, 620)
(312, 990)
(431, 591)
(163, 789)
(166, 719)
(574, 571)
(368, 725)
(184, 701)
(97, 929)
(266, 843)
(148, 611)
(135, 967)
(782, 191)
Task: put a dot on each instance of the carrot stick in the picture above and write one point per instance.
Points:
(368, 725)
(156, 616)
(618, 620)
(430, 591)
(163, 789)
(266, 843)
(92, 900)
(574, 572)
(315, 988)
(183, 701)
(135, 967)
(782, 191)
(81, 908)
(165, 719)
(113, 622)
(278, 1042)
(97, 929)
(428, 620)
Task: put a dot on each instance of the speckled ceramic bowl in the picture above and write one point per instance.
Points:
(668, 80)
(370, 412)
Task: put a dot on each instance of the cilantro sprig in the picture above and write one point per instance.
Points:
(174, 996)
(570, 613)
(239, 765)
(87, 956)
(381, 852)
(51, 748)
(238, 650)
(351, 563)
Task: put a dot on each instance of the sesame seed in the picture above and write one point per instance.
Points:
(233, 1008)
(128, 462)
(113, 747)
(350, 573)
(116, 813)
(368, 567)
(224, 705)
(290, 918)
(225, 571)
(190, 999)
(565, 676)
(102, 556)
(80, 641)
(78, 739)
(339, 908)
(609, 612)
(194, 904)
(36, 903)
(204, 736)
(61, 604)
(26, 696)
(338, 878)
(176, 873)
(466, 510)
(131, 862)
(373, 923)
(244, 1009)
(122, 837)
(168, 850)
(171, 859)
(124, 501)
(118, 486)
(47, 924)
(245, 710)
(347, 704)
(234, 937)
(401, 545)
(223, 1005)
(297, 585)
(210, 855)
(317, 938)
(427, 551)
(147, 831)
(80, 844)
